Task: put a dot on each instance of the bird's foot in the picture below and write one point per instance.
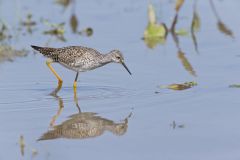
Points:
(60, 82)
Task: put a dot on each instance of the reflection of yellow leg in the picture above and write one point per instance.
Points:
(60, 104)
(52, 123)
(56, 90)
(48, 62)
(76, 100)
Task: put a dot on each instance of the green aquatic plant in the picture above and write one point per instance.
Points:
(195, 25)
(154, 29)
(28, 23)
(187, 65)
(182, 32)
(178, 5)
(152, 42)
(56, 30)
(155, 32)
(180, 86)
(196, 22)
(74, 23)
(220, 24)
(4, 34)
(224, 29)
(7, 53)
(86, 32)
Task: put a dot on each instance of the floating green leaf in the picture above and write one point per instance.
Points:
(182, 86)
(181, 32)
(152, 42)
(155, 30)
(56, 31)
(154, 33)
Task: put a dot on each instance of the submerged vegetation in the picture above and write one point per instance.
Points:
(157, 33)
(7, 53)
(182, 86)
(25, 148)
(9, 35)
(178, 33)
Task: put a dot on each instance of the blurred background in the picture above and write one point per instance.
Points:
(180, 103)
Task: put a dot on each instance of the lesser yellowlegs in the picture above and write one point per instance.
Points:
(79, 59)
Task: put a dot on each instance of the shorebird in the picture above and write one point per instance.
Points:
(79, 59)
(85, 125)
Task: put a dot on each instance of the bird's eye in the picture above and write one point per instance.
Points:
(118, 57)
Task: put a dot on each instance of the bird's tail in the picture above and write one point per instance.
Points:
(37, 48)
(46, 51)
(49, 135)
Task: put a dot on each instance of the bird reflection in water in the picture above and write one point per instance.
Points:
(83, 124)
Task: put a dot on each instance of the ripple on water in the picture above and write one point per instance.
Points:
(36, 96)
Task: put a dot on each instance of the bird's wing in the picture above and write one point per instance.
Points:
(68, 55)
(75, 55)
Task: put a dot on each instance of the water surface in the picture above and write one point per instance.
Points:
(206, 117)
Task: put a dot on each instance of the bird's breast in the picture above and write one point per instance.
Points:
(82, 66)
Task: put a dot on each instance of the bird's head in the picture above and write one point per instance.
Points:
(117, 57)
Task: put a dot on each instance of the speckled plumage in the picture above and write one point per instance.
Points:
(76, 58)
(79, 59)
(85, 125)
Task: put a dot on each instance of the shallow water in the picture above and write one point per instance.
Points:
(199, 123)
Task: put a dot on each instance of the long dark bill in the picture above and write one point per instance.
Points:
(124, 65)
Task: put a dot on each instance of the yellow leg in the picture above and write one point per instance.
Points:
(48, 62)
(52, 123)
(75, 83)
(75, 89)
